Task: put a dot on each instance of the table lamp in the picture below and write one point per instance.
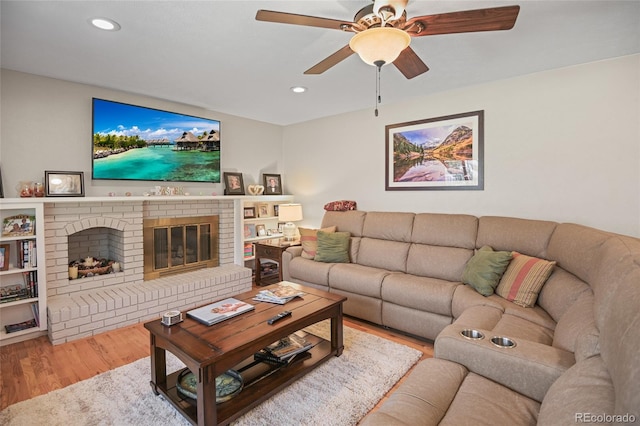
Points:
(289, 213)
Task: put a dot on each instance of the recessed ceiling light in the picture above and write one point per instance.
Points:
(298, 89)
(105, 24)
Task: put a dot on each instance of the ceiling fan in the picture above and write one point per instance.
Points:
(383, 32)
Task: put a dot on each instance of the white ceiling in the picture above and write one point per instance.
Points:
(215, 55)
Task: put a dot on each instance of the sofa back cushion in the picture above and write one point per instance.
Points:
(383, 254)
(578, 323)
(560, 291)
(445, 263)
(388, 226)
(576, 249)
(350, 221)
(445, 230)
(525, 236)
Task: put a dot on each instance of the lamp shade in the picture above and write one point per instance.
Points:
(379, 44)
(290, 212)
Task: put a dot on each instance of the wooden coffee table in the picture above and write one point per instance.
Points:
(209, 351)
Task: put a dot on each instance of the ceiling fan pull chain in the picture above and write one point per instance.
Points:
(378, 65)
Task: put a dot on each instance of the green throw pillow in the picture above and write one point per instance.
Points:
(484, 270)
(333, 247)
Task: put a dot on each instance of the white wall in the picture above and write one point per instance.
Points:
(46, 125)
(561, 145)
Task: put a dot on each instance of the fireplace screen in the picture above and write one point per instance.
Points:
(174, 245)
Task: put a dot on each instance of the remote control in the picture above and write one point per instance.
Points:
(278, 317)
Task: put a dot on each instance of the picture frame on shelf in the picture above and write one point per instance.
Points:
(5, 252)
(19, 226)
(249, 212)
(250, 230)
(441, 153)
(272, 184)
(64, 184)
(281, 227)
(233, 183)
(261, 230)
(276, 210)
(263, 210)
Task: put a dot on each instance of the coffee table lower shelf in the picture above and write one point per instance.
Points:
(261, 381)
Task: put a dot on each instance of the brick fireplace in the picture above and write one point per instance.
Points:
(86, 306)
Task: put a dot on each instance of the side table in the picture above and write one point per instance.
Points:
(271, 249)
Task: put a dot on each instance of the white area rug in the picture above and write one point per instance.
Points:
(340, 392)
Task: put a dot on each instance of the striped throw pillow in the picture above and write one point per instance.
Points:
(523, 279)
(309, 241)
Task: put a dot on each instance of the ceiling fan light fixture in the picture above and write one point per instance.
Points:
(379, 44)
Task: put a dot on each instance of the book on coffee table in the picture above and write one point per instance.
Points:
(220, 311)
(283, 351)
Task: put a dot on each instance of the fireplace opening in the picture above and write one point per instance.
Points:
(176, 245)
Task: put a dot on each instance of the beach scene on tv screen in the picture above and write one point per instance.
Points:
(138, 143)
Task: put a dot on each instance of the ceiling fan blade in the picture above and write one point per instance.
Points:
(491, 19)
(409, 64)
(330, 61)
(309, 21)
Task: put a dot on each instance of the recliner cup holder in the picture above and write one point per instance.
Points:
(503, 342)
(472, 334)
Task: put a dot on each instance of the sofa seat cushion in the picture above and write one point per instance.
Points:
(358, 279)
(422, 293)
(445, 393)
(466, 297)
(584, 388)
(309, 270)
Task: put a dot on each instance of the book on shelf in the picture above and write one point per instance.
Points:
(280, 294)
(214, 313)
(13, 292)
(12, 328)
(282, 351)
(36, 313)
(26, 256)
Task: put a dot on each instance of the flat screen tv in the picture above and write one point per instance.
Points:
(138, 143)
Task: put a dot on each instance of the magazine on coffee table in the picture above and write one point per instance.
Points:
(220, 311)
(280, 294)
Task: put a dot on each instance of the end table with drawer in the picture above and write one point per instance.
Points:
(271, 249)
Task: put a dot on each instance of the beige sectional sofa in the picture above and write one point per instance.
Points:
(577, 352)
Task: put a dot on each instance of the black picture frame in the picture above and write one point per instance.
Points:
(272, 184)
(441, 153)
(1, 188)
(233, 183)
(249, 212)
(64, 184)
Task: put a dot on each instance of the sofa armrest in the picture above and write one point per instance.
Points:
(288, 255)
(529, 368)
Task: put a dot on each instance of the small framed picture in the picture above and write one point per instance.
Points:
(4, 256)
(276, 210)
(280, 227)
(249, 212)
(233, 184)
(272, 184)
(263, 210)
(261, 230)
(20, 225)
(64, 184)
(249, 230)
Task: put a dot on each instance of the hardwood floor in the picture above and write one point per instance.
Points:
(36, 367)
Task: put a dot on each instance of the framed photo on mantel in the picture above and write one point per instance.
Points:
(441, 153)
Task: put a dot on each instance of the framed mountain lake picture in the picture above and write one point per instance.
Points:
(441, 153)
